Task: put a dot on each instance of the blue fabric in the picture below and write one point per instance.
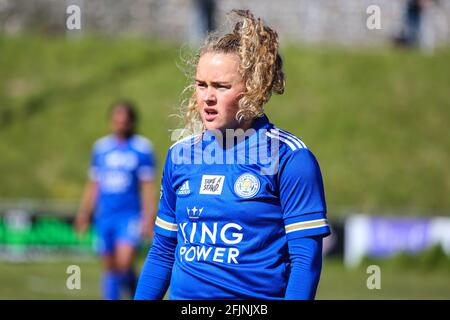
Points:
(127, 282)
(306, 265)
(114, 283)
(302, 196)
(232, 221)
(118, 167)
(305, 256)
(124, 229)
(156, 271)
(110, 286)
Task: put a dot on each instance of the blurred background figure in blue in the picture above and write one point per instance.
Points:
(120, 194)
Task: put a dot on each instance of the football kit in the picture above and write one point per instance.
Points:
(228, 212)
(118, 167)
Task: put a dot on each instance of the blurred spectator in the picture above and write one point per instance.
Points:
(206, 10)
(203, 20)
(412, 34)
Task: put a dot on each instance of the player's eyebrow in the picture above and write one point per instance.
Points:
(223, 83)
(215, 83)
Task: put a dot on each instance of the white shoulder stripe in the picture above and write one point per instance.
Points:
(184, 139)
(276, 136)
(287, 134)
(295, 141)
(294, 137)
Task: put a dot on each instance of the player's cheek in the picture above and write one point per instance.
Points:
(227, 103)
(198, 97)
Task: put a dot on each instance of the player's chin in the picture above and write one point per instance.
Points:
(212, 125)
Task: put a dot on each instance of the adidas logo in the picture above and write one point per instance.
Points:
(184, 189)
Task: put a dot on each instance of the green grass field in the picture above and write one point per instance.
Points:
(47, 280)
(377, 119)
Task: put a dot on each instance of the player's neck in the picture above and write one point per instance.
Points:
(121, 137)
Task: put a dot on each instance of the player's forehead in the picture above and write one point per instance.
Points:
(120, 111)
(218, 67)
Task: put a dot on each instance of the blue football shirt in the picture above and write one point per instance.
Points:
(232, 208)
(118, 166)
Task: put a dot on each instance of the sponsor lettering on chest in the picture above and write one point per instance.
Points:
(212, 184)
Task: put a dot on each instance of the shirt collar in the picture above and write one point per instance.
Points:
(261, 122)
(258, 124)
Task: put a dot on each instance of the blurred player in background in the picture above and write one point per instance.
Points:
(120, 194)
(238, 230)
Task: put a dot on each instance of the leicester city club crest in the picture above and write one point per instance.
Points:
(247, 185)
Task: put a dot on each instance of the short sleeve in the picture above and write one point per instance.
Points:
(165, 223)
(147, 165)
(94, 166)
(302, 196)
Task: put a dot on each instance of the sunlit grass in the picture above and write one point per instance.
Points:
(377, 119)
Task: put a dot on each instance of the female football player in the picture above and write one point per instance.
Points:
(242, 211)
(121, 192)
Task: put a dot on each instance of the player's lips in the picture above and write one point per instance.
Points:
(210, 113)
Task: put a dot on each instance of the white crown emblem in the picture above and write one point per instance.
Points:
(194, 213)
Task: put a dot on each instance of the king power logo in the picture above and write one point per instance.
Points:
(206, 241)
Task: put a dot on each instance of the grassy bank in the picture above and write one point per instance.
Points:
(377, 120)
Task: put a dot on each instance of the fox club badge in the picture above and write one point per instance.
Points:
(247, 185)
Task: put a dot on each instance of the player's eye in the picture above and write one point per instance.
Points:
(201, 84)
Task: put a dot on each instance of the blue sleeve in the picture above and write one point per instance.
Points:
(156, 272)
(302, 196)
(165, 223)
(147, 166)
(306, 266)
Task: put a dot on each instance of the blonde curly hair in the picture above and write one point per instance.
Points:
(260, 66)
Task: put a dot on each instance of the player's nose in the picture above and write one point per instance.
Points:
(209, 96)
